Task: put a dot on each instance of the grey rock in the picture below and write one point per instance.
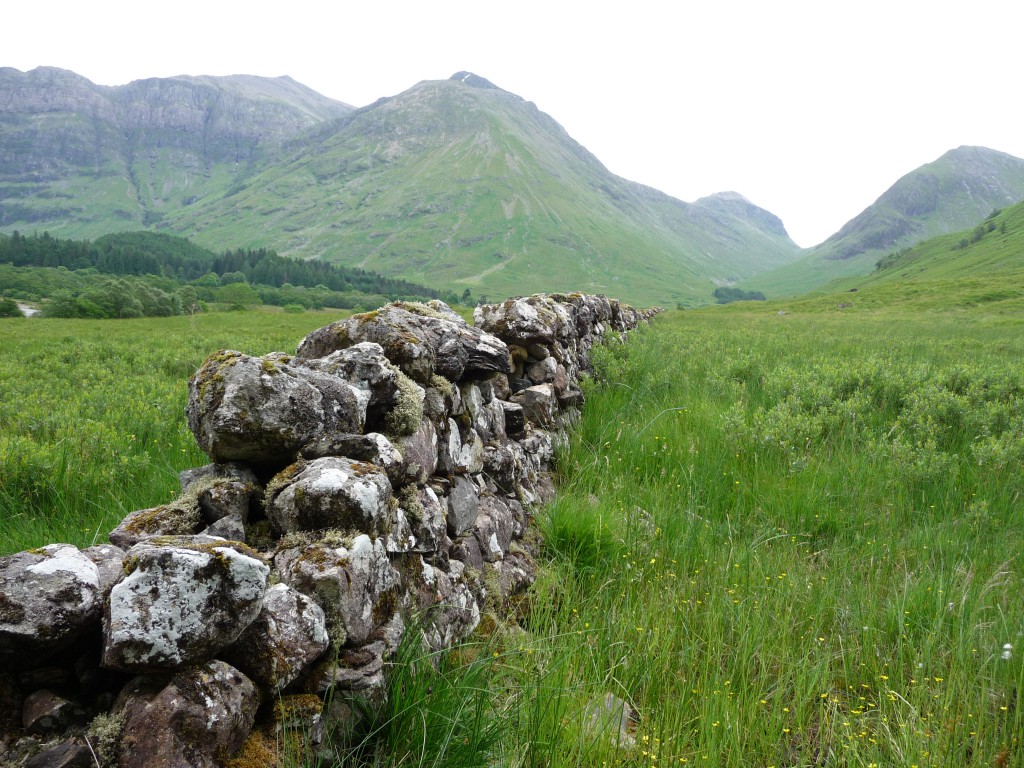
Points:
(539, 404)
(332, 492)
(419, 454)
(45, 712)
(64, 755)
(611, 718)
(421, 340)
(426, 515)
(543, 372)
(352, 579)
(372, 447)
(359, 669)
(48, 598)
(200, 714)
(209, 472)
(493, 528)
(538, 319)
(228, 528)
(503, 465)
(263, 410)
(179, 518)
(288, 635)
(463, 503)
(181, 601)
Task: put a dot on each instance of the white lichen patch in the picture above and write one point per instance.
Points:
(67, 559)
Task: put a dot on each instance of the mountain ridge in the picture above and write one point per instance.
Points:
(457, 183)
(953, 192)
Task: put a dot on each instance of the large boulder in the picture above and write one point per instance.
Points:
(351, 578)
(49, 597)
(289, 634)
(264, 409)
(194, 720)
(182, 599)
(538, 319)
(332, 492)
(421, 339)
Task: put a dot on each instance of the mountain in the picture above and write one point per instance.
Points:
(455, 183)
(952, 193)
(977, 270)
(83, 159)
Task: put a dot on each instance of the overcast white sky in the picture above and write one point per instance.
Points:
(810, 109)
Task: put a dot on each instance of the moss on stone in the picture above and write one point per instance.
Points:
(105, 735)
(406, 414)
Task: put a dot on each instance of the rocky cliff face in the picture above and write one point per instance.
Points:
(150, 144)
(385, 476)
(54, 120)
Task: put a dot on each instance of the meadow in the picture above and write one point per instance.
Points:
(783, 539)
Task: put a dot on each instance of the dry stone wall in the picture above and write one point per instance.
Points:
(382, 479)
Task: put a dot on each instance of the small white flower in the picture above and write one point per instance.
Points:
(1007, 651)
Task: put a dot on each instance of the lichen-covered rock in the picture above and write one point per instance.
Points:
(372, 447)
(289, 634)
(48, 598)
(425, 513)
(515, 573)
(538, 319)
(202, 714)
(179, 518)
(493, 528)
(463, 503)
(454, 611)
(359, 669)
(486, 414)
(351, 578)
(421, 340)
(419, 453)
(332, 492)
(182, 599)
(503, 465)
(539, 404)
(264, 409)
(460, 451)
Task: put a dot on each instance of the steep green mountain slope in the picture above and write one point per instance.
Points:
(457, 184)
(954, 192)
(979, 270)
(81, 159)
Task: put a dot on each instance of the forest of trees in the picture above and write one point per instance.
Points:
(135, 274)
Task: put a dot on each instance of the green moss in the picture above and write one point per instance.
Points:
(105, 734)
(406, 415)
(442, 384)
(409, 500)
(422, 310)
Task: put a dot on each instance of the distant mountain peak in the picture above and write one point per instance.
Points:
(474, 81)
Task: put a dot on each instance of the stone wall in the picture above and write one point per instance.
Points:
(384, 477)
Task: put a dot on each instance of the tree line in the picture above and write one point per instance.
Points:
(136, 274)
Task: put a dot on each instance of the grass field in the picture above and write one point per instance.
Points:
(783, 539)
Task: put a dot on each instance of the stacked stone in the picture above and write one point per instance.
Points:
(384, 476)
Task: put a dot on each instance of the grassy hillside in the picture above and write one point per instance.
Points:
(460, 186)
(977, 271)
(956, 191)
